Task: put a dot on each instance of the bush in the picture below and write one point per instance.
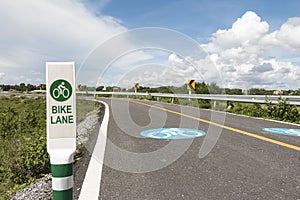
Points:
(23, 153)
(282, 111)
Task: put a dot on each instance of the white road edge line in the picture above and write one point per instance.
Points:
(91, 185)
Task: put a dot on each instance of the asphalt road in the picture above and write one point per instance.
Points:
(245, 162)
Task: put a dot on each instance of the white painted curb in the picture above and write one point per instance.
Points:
(91, 185)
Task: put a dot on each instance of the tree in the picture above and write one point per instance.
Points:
(30, 87)
(214, 88)
(259, 91)
(234, 91)
(100, 88)
(22, 87)
(201, 88)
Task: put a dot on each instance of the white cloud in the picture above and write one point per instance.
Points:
(175, 60)
(175, 72)
(287, 36)
(154, 72)
(33, 32)
(2, 75)
(243, 54)
(246, 30)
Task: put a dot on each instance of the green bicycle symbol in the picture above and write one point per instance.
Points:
(61, 90)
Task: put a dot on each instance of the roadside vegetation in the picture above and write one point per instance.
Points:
(282, 111)
(23, 152)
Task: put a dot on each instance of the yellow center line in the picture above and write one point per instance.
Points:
(223, 126)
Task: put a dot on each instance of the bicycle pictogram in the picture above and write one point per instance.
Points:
(61, 90)
(172, 133)
(284, 131)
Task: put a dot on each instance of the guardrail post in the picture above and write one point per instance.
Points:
(215, 103)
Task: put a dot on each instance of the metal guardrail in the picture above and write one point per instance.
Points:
(293, 100)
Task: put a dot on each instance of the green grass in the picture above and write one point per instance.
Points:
(83, 107)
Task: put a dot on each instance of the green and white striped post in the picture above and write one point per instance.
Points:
(61, 126)
(62, 181)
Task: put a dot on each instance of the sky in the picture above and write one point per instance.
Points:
(246, 44)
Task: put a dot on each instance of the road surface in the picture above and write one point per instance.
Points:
(245, 163)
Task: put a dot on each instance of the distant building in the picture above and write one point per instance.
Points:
(278, 92)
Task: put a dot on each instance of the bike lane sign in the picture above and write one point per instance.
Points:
(61, 126)
(61, 107)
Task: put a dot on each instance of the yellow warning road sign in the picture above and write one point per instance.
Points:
(191, 84)
(136, 86)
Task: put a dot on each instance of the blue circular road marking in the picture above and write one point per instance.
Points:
(172, 133)
(283, 131)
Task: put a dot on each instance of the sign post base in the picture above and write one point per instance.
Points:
(62, 174)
